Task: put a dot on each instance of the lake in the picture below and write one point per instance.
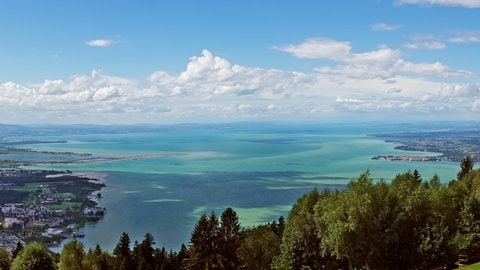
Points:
(162, 181)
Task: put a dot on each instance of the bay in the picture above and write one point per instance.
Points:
(161, 182)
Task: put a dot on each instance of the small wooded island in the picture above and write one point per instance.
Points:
(46, 206)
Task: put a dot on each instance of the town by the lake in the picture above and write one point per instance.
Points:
(46, 206)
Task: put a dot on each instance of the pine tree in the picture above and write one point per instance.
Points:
(466, 166)
(204, 244)
(123, 256)
(143, 253)
(97, 259)
(71, 256)
(229, 237)
(17, 250)
(417, 176)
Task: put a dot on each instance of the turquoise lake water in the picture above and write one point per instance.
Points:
(169, 178)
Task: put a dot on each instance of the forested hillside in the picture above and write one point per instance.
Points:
(405, 223)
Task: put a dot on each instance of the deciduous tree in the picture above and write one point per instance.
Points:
(33, 257)
(258, 247)
(301, 242)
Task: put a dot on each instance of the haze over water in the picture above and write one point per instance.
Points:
(169, 178)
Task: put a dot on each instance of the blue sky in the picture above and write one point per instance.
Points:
(218, 61)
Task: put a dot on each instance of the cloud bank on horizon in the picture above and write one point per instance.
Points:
(336, 81)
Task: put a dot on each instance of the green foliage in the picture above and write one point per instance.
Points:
(143, 253)
(466, 166)
(98, 260)
(278, 228)
(123, 256)
(229, 238)
(258, 248)
(300, 246)
(17, 250)
(214, 245)
(204, 244)
(71, 256)
(408, 223)
(352, 223)
(33, 257)
(8, 196)
(475, 266)
(468, 233)
(4, 259)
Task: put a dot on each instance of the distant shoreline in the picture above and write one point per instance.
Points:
(450, 145)
(409, 158)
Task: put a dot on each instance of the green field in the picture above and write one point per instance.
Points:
(475, 266)
(65, 205)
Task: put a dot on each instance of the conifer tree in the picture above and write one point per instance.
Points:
(466, 166)
(71, 256)
(17, 250)
(97, 259)
(229, 238)
(417, 176)
(123, 257)
(143, 253)
(202, 244)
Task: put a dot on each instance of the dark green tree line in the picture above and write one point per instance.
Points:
(214, 244)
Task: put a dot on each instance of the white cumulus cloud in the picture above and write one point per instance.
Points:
(427, 42)
(383, 62)
(100, 42)
(381, 26)
(212, 89)
(466, 37)
(458, 3)
(319, 48)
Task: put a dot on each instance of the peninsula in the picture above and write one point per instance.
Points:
(46, 206)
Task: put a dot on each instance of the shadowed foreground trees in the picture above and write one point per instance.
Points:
(4, 260)
(214, 245)
(407, 224)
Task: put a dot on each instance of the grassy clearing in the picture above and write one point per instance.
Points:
(28, 187)
(64, 205)
(475, 266)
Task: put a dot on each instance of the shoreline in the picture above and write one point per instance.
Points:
(53, 206)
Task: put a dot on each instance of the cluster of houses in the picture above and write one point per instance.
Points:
(20, 217)
(408, 158)
(15, 216)
(20, 214)
(51, 215)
